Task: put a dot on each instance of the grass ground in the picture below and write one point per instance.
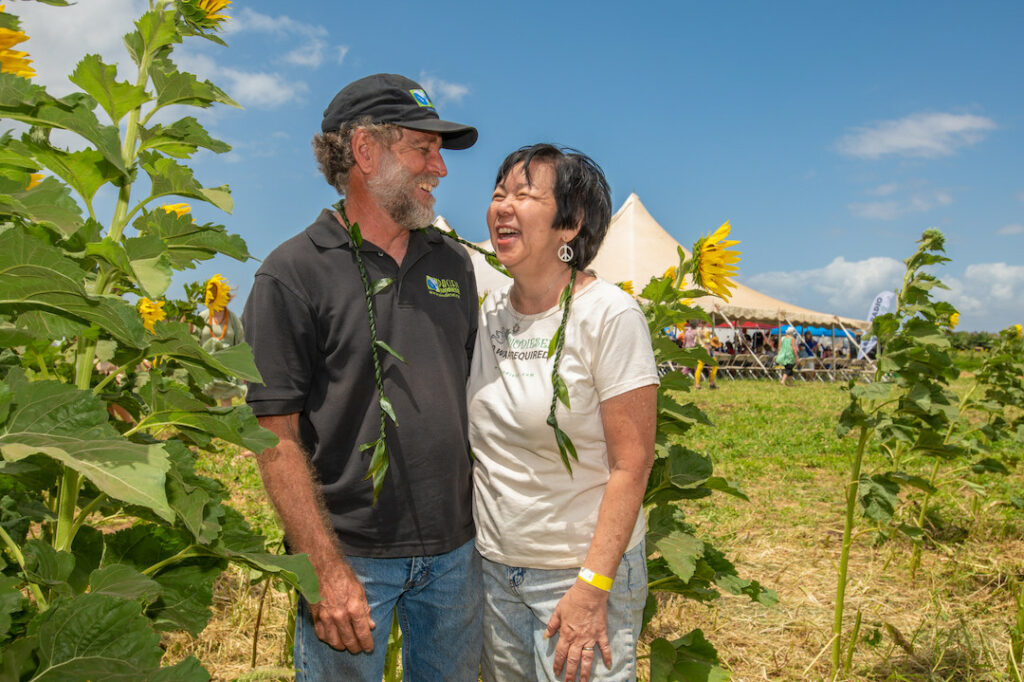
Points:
(950, 623)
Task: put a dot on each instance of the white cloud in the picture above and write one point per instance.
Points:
(847, 287)
(884, 190)
(890, 209)
(925, 135)
(1015, 228)
(58, 39)
(311, 53)
(255, 89)
(249, 20)
(342, 50)
(442, 90)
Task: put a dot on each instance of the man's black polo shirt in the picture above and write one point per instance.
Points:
(307, 324)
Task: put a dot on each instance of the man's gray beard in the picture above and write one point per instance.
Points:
(392, 187)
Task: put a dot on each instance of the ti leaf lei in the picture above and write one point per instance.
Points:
(379, 461)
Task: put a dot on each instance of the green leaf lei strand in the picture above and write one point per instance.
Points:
(379, 461)
(560, 391)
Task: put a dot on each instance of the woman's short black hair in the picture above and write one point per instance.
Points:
(582, 195)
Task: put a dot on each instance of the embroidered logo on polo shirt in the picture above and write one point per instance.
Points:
(445, 288)
(421, 98)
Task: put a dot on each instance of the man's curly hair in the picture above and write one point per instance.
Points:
(333, 151)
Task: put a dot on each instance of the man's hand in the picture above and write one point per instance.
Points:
(342, 616)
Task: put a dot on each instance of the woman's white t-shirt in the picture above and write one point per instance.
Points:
(529, 510)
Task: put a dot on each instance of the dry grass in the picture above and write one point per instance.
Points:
(950, 623)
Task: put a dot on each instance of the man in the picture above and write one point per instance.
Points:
(308, 324)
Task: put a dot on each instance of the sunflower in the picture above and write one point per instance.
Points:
(14, 61)
(217, 293)
(151, 312)
(34, 179)
(1019, 329)
(627, 286)
(954, 320)
(177, 209)
(714, 264)
(671, 273)
(205, 13)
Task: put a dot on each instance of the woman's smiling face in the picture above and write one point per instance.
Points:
(521, 218)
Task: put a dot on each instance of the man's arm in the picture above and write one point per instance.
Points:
(342, 617)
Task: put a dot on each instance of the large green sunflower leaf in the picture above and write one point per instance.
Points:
(170, 178)
(86, 170)
(123, 582)
(100, 81)
(70, 426)
(181, 139)
(96, 637)
(172, 405)
(176, 340)
(177, 87)
(37, 276)
(186, 593)
(23, 101)
(681, 551)
(49, 204)
(150, 264)
(154, 29)
(188, 241)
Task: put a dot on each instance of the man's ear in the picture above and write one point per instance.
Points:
(366, 150)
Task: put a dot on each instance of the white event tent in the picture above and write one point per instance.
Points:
(637, 248)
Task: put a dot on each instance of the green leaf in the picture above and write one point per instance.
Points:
(170, 404)
(879, 497)
(21, 100)
(925, 332)
(681, 551)
(47, 567)
(11, 601)
(87, 549)
(989, 465)
(873, 391)
(918, 482)
(37, 276)
(123, 582)
(86, 170)
(186, 593)
(70, 426)
(195, 499)
(175, 340)
(154, 29)
(561, 390)
(188, 241)
(385, 405)
(49, 204)
(170, 178)
(96, 637)
(180, 139)
(380, 285)
(356, 235)
(721, 485)
(378, 467)
(687, 468)
(176, 87)
(676, 381)
(149, 264)
(294, 569)
(100, 81)
(389, 350)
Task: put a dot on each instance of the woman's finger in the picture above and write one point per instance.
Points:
(586, 662)
(606, 651)
(572, 663)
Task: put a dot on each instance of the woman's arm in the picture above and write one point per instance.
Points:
(629, 422)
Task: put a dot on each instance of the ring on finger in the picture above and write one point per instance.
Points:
(588, 648)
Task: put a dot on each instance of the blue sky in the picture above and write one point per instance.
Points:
(829, 135)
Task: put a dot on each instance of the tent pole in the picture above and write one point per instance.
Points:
(833, 367)
(756, 359)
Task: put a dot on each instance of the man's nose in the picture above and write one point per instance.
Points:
(436, 164)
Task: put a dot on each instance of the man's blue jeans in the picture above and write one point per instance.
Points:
(438, 601)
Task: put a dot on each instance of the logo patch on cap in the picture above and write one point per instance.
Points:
(421, 98)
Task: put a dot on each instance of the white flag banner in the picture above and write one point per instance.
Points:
(882, 304)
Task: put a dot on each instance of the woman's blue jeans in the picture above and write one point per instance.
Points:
(438, 601)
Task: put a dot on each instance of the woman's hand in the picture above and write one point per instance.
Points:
(581, 622)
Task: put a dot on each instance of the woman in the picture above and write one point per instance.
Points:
(787, 355)
(565, 577)
(222, 329)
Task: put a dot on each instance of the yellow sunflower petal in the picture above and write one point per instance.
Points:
(217, 293)
(151, 313)
(35, 178)
(720, 233)
(177, 209)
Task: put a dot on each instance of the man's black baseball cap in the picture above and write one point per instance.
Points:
(390, 98)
